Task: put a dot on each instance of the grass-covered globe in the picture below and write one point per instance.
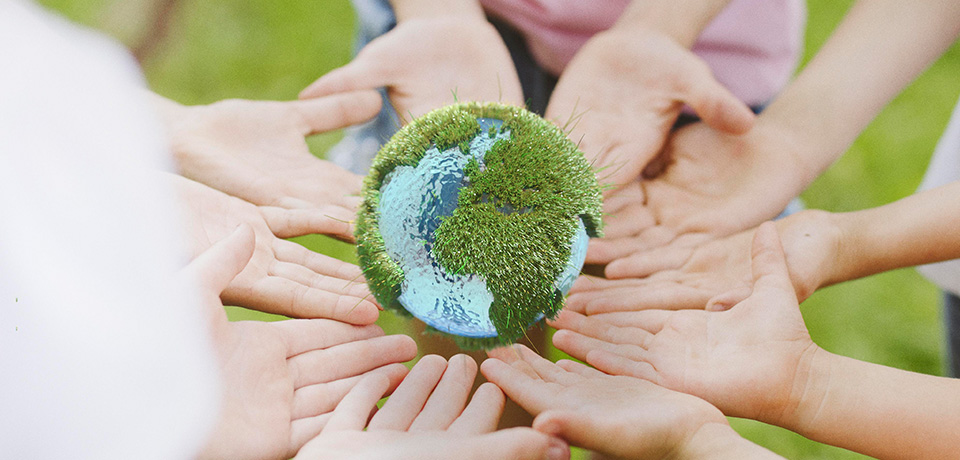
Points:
(475, 220)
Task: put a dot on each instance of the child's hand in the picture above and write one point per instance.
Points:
(674, 278)
(278, 378)
(282, 277)
(622, 92)
(428, 63)
(751, 361)
(427, 417)
(617, 416)
(255, 150)
(713, 185)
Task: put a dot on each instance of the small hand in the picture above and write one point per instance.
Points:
(425, 418)
(425, 63)
(714, 185)
(749, 361)
(279, 378)
(255, 150)
(622, 92)
(282, 277)
(617, 416)
(681, 277)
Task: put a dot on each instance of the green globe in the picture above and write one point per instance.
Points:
(475, 220)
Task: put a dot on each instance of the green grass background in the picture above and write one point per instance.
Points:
(270, 50)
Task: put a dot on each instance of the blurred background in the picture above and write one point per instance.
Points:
(197, 52)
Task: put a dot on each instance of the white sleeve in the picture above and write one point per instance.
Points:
(99, 357)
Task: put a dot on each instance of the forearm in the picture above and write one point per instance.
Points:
(718, 441)
(408, 9)
(916, 230)
(877, 410)
(878, 49)
(683, 20)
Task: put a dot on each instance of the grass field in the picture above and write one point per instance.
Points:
(257, 49)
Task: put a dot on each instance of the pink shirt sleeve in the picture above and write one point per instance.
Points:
(752, 46)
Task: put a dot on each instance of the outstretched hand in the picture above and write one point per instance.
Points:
(682, 277)
(750, 361)
(427, 63)
(282, 277)
(427, 417)
(279, 378)
(713, 185)
(255, 150)
(622, 92)
(617, 416)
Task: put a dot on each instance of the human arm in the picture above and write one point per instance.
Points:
(255, 150)
(756, 360)
(821, 249)
(439, 53)
(282, 277)
(278, 378)
(623, 90)
(617, 416)
(715, 184)
(428, 417)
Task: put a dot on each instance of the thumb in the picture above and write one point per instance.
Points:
(339, 110)
(519, 444)
(769, 263)
(575, 428)
(717, 106)
(216, 267)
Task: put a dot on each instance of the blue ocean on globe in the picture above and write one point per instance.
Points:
(413, 202)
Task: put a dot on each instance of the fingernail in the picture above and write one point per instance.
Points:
(558, 450)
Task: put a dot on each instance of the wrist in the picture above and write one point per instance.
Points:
(682, 20)
(810, 387)
(720, 441)
(812, 242)
(436, 9)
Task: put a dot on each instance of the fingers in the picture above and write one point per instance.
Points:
(325, 220)
(532, 394)
(283, 296)
(349, 359)
(606, 250)
(636, 295)
(366, 71)
(302, 335)
(354, 410)
(580, 345)
(309, 278)
(580, 369)
(548, 371)
(616, 364)
(314, 400)
(592, 327)
(483, 413)
(336, 111)
(727, 300)
(575, 428)
(769, 262)
(517, 444)
(216, 267)
(288, 251)
(646, 263)
(399, 412)
(716, 105)
(449, 397)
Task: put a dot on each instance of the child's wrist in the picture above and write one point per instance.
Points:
(679, 20)
(720, 441)
(811, 384)
(436, 9)
(811, 240)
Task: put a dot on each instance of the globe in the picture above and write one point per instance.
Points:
(476, 220)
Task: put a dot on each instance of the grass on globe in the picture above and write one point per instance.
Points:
(520, 255)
